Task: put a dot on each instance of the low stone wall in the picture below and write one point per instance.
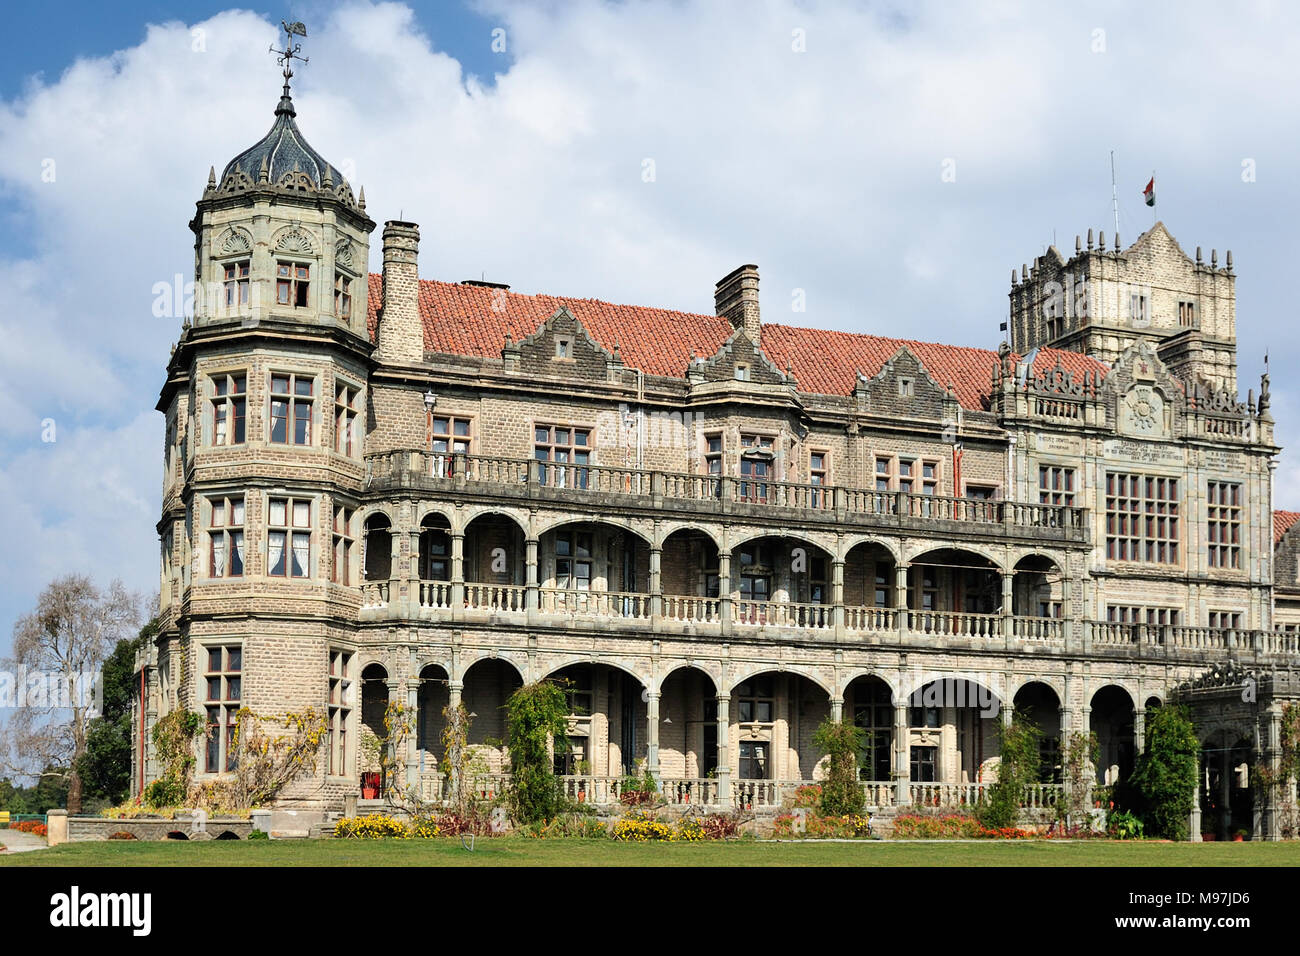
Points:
(143, 828)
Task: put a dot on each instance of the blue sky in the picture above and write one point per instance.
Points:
(807, 137)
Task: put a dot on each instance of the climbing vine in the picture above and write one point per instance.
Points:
(1077, 761)
(841, 794)
(173, 741)
(1164, 779)
(266, 760)
(1274, 787)
(1018, 767)
(536, 719)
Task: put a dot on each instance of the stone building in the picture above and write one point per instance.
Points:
(720, 530)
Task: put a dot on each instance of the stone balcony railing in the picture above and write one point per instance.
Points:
(702, 617)
(755, 794)
(615, 488)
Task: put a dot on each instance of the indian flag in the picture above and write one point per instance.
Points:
(1149, 194)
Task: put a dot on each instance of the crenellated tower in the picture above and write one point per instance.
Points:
(1102, 300)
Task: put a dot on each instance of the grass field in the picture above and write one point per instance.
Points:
(519, 851)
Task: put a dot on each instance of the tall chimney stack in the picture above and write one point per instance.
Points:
(401, 333)
(735, 298)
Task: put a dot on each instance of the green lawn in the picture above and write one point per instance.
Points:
(519, 851)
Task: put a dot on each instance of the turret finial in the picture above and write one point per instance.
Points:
(286, 57)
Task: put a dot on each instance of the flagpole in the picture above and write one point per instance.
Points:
(1114, 192)
(1154, 199)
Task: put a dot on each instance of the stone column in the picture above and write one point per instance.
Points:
(656, 583)
(1194, 823)
(902, 754)
(396, 695)
(457, 573)
(454, 688)
(652, 735)
(412, 740)
(1090, 769)
(1273, 758)
(1008, 602)
(724, 590)
(724, 750)
(1139, 730)
(837, 709)
(837, 597)
(56, 823)
(533, 594)
(413, 568)
(900, 597)
(399, 592)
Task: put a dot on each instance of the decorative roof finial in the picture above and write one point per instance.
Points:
(286, 57)
(361, 200)
(1264, 400)
(212, 177)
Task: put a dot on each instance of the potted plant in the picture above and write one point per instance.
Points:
(1240, 836)
(370, 785)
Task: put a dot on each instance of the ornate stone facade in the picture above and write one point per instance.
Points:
(721, 531)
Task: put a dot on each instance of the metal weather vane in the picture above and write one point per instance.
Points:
(291, 49)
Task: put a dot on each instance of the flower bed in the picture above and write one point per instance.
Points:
(378, 827)
(30, 826)
(817, 827)
(914, 826)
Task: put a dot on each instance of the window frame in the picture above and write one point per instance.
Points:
(292, 397)
(1223, 524)
(236, 286)
(339, 705)
(569, 472)
(297, 286)
(226, 532)
(221, 712)
(291, 531)
(1057, 484)
(343, 297)
(1130, 514)
(343, 544)
(451, 440)
(227, 408)
(347, 417)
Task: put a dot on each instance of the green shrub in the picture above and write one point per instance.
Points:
(164, 792)
(1163, 783)
(1018, 767)
(841, 794)
(536, 715)
(1123, 825)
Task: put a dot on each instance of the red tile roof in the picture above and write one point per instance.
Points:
(1282, 521)
(473, 320)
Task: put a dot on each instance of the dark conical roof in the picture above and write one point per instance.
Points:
(281, 151)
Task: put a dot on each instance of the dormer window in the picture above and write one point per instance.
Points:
(742, 373)
(564, 348)
(342, 296)
(236, 283)
(906, 388)
(292, 283)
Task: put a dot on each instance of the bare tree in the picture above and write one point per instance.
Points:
(72, 630)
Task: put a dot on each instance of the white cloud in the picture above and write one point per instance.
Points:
(822, 166)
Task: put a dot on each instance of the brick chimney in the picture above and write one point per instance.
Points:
(735, 298)
(401, 333)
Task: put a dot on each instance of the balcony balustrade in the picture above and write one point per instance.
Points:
(752, 794)
(697, 614)
(632, 487)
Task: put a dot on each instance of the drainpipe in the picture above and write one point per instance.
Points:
(140, 793)
(640, 418)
